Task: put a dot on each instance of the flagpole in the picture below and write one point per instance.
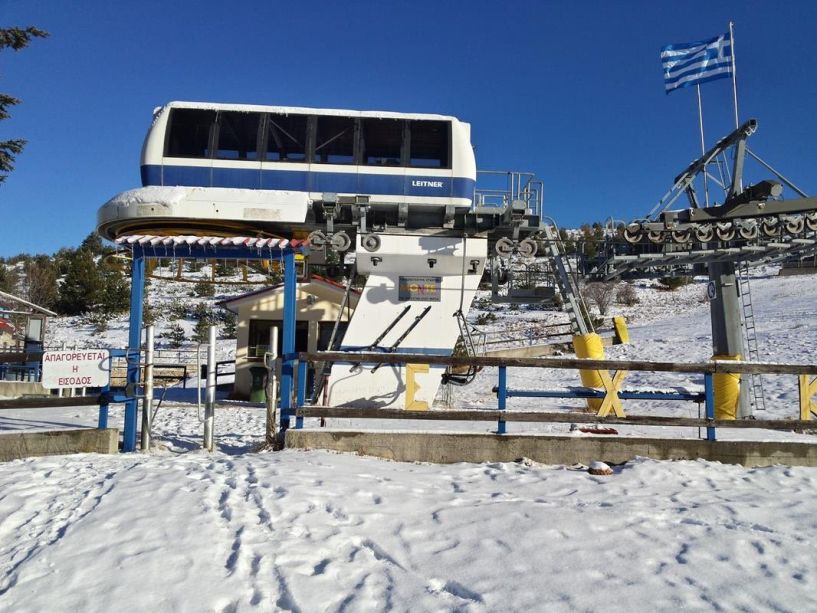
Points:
(734, 74)
(703, 145)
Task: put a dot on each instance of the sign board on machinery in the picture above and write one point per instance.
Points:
(78, 368)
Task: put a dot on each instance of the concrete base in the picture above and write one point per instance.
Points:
(445, 448)
(18, 389)
(16, 445)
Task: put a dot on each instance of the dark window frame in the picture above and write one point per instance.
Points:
(215, 135)
(265, 133)
(356, 152)
(211, 136)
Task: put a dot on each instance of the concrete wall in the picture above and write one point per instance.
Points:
(15, 445)
(447, 448)
(18, 389)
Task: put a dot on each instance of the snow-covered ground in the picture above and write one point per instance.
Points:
(183, 530)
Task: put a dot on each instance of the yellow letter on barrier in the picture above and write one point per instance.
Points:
(412, 387)
(807, 390)
(611, 399)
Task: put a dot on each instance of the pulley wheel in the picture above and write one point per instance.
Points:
(704, 233)
(371, 242)
(317, 239)
(748, 231)
(796, 225)
(681, 236)
(725, 232)
(504, 247)
(811, 221)
(655, 236)
(769, 227)
(340, 241)
(632, 233)
(527, 248)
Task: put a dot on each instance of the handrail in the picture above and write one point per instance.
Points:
(714, 367)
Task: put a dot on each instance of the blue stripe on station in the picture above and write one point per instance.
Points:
(309, 181)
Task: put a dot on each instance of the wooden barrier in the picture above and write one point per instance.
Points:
(612, 399)
(542, 417)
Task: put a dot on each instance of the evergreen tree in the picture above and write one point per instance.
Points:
(175, 335)
(114, 292)
(81, 285)
(8, 279)
(204, 319)
(14, 39)
(229, 330)
(93, 243)
(41, 282)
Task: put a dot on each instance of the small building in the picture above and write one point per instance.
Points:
(318, 304)
(8, 333)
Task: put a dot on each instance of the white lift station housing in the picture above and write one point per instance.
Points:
(415, 288)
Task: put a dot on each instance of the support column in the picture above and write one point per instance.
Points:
(133, 355)
(288, 363)
(147, 401)
(727, 332)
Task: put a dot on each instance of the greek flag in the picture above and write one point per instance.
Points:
(688, 64)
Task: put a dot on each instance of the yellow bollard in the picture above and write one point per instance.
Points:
(622, 333)
(727, 390)
(589, 346)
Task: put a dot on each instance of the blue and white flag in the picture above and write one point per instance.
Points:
(688, 64)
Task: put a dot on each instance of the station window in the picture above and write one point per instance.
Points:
(335, 140)
(259, 337)
(286, 138)
(382, 141)
(237, 136)
(189, 134)
(430, 144)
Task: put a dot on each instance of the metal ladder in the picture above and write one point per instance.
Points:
(750, 334)
(580, 320)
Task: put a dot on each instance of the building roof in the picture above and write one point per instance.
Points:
(33, 306)
(314, 280)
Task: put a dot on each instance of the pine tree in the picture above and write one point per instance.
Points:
(8, 279)
(81, 285)
(14, 39)
(229, 330)
(40, 281)
(175, 335)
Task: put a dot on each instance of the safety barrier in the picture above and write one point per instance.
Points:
(103, 399)
(611, 396)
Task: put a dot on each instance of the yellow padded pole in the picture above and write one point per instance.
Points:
(622, 333)
(589, 346)
(808, 389)
(727, 390)
(412, 404)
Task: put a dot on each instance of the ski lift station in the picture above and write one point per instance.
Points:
(396, 202)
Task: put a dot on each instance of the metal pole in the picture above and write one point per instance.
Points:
(288, 364)
(272, 386)
(137, 289)
(734, 72)
(147, 401)
(710, 405)
(300, 396)
(502, 395)
(703, 143)
(198, 380)
(210, 398)
(725, 315)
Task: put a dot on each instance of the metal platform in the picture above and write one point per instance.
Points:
(757, 254)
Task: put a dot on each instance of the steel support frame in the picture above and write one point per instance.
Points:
(141, 253)
(726, 316)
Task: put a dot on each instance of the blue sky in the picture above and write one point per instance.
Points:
(569, 90)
